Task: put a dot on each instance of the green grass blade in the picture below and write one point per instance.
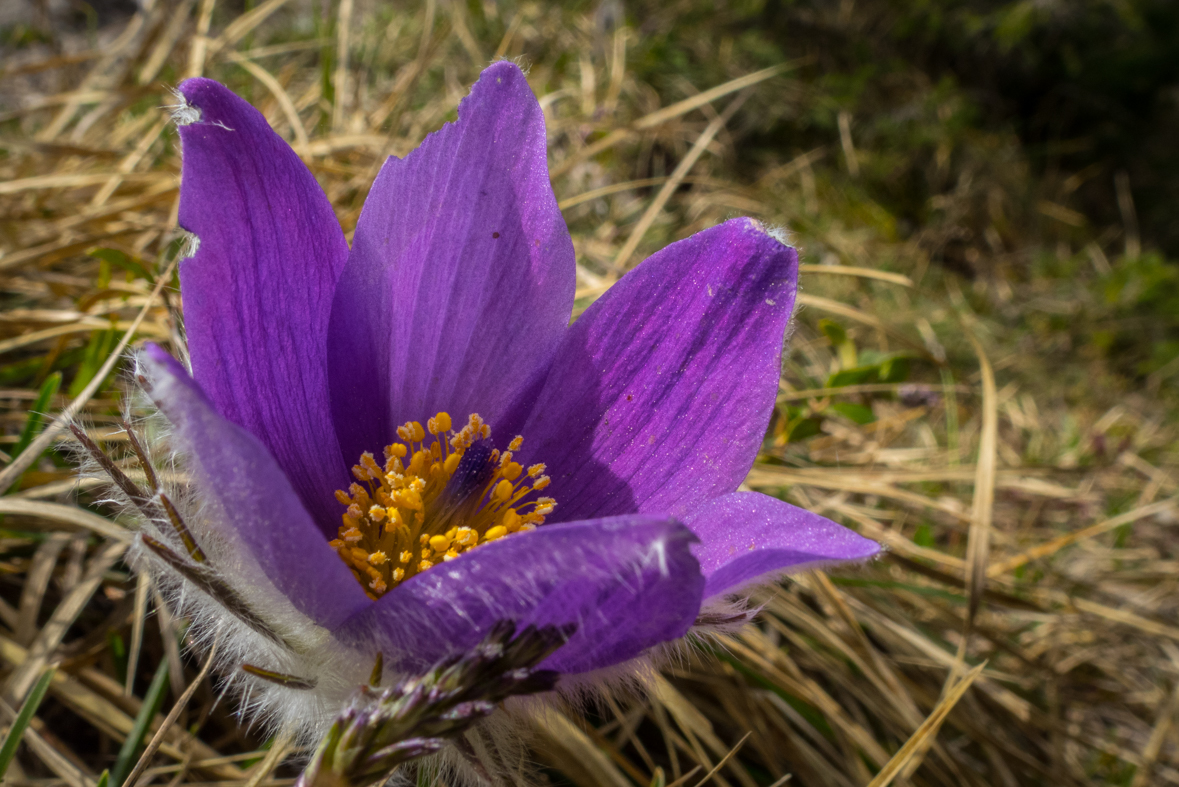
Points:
(151, 706)
(8, 748)
(37, 412)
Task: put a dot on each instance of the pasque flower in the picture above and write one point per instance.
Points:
(390, 448)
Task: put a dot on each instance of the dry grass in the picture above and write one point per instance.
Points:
(1022, 628)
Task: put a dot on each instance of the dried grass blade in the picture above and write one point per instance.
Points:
(843, 310)
(863, 273)
(240, 27)
(66, 514)
(675, 110)
(1158, 736)
(770, 476)
(1056, 544)
(726, 758)
(166, 43)
(36, 583)
(152, 701)
(111, 720)
(154, 745)
(23, 677)
(673, 182)
(142, 585)
(340, 79)
(694, 723)
(39, 182)
(979, 539)
(15, 470)
(279, 749)
(923, 737)
(505, 43)
(199, 47)
(85, 325)
(613, 188)
(567, 737)
(284, 102)
(24, 718)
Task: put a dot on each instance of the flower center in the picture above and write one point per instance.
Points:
(453, 493)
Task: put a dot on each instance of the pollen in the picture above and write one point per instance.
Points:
(415, 508)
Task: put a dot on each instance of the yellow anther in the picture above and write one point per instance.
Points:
(510, 521)
(408, 498)
(503, 491)
(411, 432)
(390, 530)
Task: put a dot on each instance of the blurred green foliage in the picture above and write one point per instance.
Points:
(990, 135)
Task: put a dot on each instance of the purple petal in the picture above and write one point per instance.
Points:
(236, 474)
(258, 292)
(746, 535)
(659, 397)
(628, 582)
(461, 278)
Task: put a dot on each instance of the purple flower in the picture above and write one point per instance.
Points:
(594, 486)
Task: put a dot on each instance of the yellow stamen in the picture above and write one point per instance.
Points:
(406, 508)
